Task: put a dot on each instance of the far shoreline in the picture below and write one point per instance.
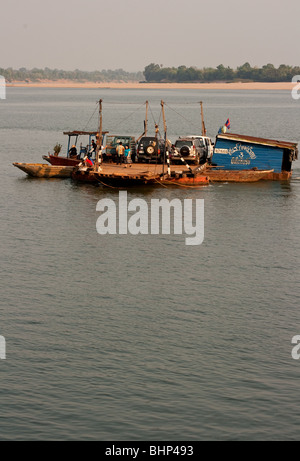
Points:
(288, 86)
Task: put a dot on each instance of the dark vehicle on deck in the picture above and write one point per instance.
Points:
(151, 149)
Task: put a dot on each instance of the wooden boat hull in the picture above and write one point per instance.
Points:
(283, 176)
(124, 180)
(43, 170)
(238, 175)
(200, 180)
(61, 161)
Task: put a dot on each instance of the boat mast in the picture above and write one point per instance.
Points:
(145, 124)
(99, 137)
(146, 119)
(202, 120)
(166, 151)
(164, 117)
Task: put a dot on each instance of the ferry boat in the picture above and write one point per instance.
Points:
(236, 156)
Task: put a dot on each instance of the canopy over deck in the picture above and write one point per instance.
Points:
(83, 133)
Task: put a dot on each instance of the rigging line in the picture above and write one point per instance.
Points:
(116, 103)
(107, 185)
(162, 185)
(152, 114)
(79, 136)
(128, 116)
(159, 117)
(180, 115)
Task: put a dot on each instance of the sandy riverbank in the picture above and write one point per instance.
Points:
(136, 85)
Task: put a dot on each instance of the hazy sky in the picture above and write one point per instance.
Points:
(130, 34)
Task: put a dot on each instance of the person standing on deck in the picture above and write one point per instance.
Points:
(120, 153)
(127, 155)
(93, 147)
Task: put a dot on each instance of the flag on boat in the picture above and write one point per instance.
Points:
(224, 128)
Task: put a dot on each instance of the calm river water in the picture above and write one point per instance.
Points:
(123, 337)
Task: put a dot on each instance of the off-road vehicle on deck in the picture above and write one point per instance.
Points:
(193, 149)
(151, 149)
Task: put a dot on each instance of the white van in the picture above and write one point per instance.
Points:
(206, 143)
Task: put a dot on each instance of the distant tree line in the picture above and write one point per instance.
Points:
(158, 73)
(183, 74)
(35, 75)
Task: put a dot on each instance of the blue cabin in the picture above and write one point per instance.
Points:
(239, 152)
